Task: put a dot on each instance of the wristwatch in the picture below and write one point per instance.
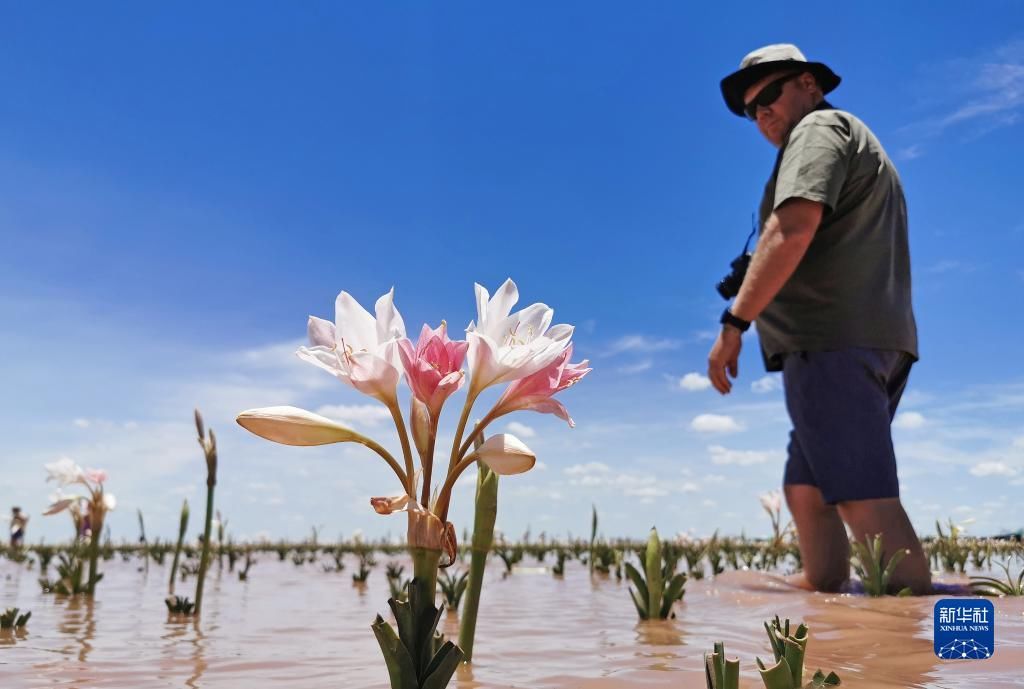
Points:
(735, 321)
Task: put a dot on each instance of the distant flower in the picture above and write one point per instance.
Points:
(64, 471)
(96, 475)
(772, 501)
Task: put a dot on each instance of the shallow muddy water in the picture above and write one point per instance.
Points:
(298, 626)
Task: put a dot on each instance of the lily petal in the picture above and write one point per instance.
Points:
(60, 506)
(395, 503)
(294, 426)
(321, 332)
(506, 454)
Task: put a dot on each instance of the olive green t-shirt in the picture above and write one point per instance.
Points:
(852, 287)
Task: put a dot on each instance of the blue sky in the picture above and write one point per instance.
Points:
(185, 183)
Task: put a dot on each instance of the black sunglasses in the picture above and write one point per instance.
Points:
(768, 95)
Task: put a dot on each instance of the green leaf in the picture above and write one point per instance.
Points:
(779, 676)
(442, 666)
(637, 580)
(652, 565)
(732, 674)
(673, 593)
(795, 659)
(641, 605)
(399, 663)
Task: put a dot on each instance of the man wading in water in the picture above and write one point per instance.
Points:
(829, 288)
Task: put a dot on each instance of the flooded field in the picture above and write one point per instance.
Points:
(299, 626)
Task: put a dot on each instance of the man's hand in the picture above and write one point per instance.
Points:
(725, 355)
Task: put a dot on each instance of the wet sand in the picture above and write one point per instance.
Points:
(298, 626)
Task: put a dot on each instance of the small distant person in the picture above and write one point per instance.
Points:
(19, 520)
(829, 289)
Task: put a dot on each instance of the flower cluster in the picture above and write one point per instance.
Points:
(87, 511)
(372, 353)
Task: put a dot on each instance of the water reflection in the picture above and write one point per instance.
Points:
(186, 631)
(860, 635)
(78, 621)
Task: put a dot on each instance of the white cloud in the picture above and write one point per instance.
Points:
(715, 423)
(1019, 442)
(646, 491)
(909, 420)
(993, 469)
(910, 152)
(356, 414)
(721, 455)
(694, 382)
(949, 265)
(638, 367)
(81, 423)
(520, 429)
(588, 468)
(642, 343)
(986, 90)
(766, 384)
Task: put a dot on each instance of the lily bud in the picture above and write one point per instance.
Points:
(294, 426)
(506, 454)
(199, 425)
(420, 419)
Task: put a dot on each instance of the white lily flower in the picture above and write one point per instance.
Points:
(358, 349)
(506, 454)
(504, 347)
(109, 501)
(294, 426)
(64, 471)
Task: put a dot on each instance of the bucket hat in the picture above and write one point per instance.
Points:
(764, 61)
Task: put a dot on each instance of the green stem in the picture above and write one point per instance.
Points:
(386, 456)
(463, 420)
(94, 554)
(403, 435)
(424, 571)
(182, 528)
(204, 562)
(428, 462)
(483, 539)
(444, 496)
(477, 430)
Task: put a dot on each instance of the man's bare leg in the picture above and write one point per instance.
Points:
(887, 517)
(824, 547)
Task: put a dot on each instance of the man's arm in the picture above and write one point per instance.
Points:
(787, 234)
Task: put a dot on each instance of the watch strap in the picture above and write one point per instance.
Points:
(728, 318)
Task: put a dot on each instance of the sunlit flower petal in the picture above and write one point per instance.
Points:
(64, 471)
(505, 454)
(294, 426)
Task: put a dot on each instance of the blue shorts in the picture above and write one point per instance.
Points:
(842, 404)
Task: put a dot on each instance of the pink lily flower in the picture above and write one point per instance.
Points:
(433, 367)
(536, 390)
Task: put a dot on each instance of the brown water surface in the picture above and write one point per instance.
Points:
(298, 626)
